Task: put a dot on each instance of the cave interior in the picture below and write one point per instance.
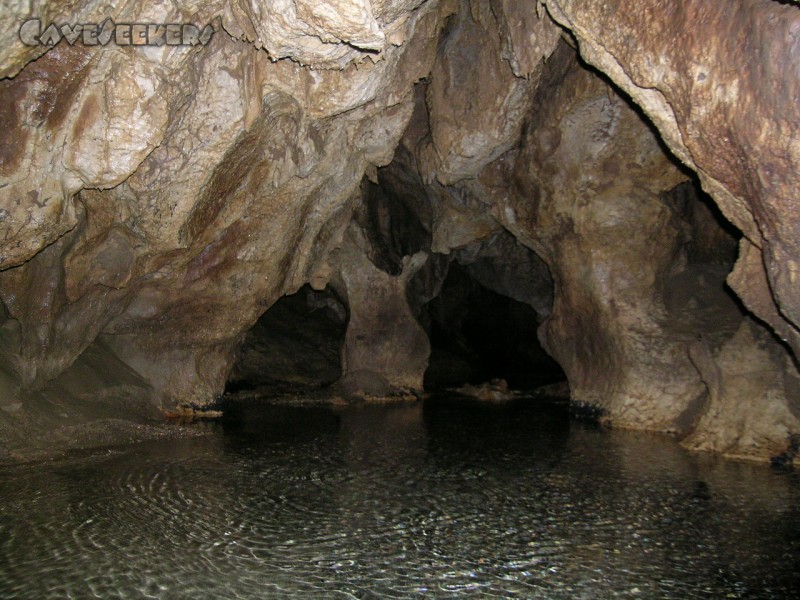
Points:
(497, 193)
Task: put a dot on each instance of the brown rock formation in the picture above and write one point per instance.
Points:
(228, 213)
(156, 201)
(610, 241)
(720, 81)
(385, 348)
(753, 389)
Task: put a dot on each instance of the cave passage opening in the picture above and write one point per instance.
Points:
(296, 343)
(405, 186)
(478, 335)
(449, 259)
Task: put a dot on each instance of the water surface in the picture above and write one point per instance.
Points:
(432, 500)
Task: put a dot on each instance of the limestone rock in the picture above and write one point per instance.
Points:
(753, 408)
(593, 218)
(503, 265)
(156, 201)
(736, 123)
(296, 343)
(188, 189)
(527, 35)
(495, 390)
(470, 130)
(385, 349)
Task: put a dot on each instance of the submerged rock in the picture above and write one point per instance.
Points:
(495, 390)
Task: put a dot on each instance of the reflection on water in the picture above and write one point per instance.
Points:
(400, 501)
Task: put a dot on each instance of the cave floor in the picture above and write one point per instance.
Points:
(433, 498)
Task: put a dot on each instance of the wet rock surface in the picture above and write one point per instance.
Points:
(594, 219)
(751, 368)
(99, 402)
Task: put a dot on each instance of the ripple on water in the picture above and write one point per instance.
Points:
(394, 503)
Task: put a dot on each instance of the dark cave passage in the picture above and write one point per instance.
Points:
(484, 307)
(298, 341)
(478, 335)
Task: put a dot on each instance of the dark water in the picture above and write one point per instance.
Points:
(398, 502)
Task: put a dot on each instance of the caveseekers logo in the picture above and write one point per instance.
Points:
(121, 34)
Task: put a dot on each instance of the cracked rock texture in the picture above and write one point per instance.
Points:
(156, 201)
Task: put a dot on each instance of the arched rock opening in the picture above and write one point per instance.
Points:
(478, 335)
(297, 342)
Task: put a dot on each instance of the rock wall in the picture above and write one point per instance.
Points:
(297, 343)
(168, 196)
(588, 183)
(161, 199)
(753, 387)
(736, 123)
